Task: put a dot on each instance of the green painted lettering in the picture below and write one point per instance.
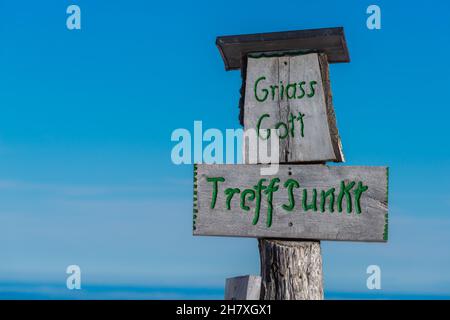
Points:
(258, 126)
(302, 90)
(282, 90)
(251, 197)
(358, 192)
(313, 204)
(258, 189)
(273, 187)
(285, 128)
(229, 192)
(311, 85)
(265, 91)
(291, 91)
(215, 181)
(291, 124)
(290, 184)
(345, 190)
(323, 198)
(273, 88)
(302, 124)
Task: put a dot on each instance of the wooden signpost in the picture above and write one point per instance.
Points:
(286, 86)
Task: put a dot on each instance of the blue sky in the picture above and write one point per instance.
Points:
(86, 117)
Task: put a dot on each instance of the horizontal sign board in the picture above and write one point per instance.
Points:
(331, 41)
(292, 94)
(299, 202)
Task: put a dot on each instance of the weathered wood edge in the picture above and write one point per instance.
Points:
(247, 287)
(242, 90)
(331, 115)
(386, 225)
(280, 54)
(328, 40)
(195, 205)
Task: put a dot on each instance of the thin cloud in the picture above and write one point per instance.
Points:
(91, 190)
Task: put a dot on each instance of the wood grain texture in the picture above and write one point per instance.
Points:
(368, 225)
(320, 141)
(331, 117)
(291, 270)
(330, 41)
(243, 288)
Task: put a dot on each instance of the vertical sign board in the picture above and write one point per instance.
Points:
(299, 202)
(292, 93)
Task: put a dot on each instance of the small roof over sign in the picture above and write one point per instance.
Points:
(328, 40)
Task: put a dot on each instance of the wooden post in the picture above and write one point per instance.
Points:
(290, 270)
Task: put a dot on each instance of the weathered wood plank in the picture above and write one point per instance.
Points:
(350, 202)
(330, 41)
(292, 93)
(298, 272)
(331, 117)
(243, 288)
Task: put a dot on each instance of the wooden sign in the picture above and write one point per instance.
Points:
(243, 288)
(300, 202)
(292, 93)
(330, 41)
